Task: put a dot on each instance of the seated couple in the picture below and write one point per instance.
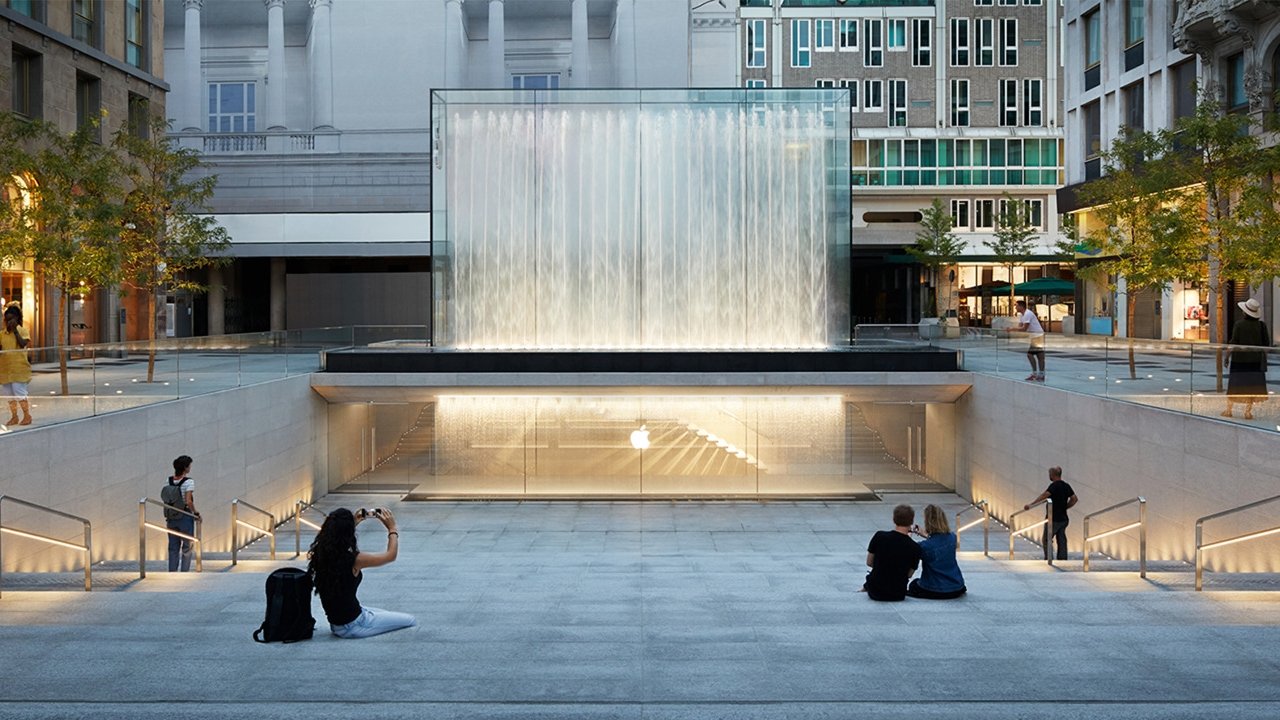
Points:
(893, 557)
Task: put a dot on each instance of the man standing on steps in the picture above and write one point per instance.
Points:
(1063, 497)
(893, 557)
(1030, 324)
(180, 548)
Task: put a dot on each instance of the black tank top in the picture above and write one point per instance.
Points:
(340, 603)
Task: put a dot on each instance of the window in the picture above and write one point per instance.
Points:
(984, 216)
(86, 22)
(1008, 2)
(824, 35)
(848, 34)
(852, 87)
(1184, 82)
(801, 52)
(1033, 102)
(824, 83)
(986, 42)
(33, 9)
(921, 42)
(1134, 22)
(1092, 141)
(986, 3)
(959, 42)
(1008, 102)
(139, 116)
(135, 33)
(897, 34)
(756, 84)
(26, 83)
(1236, 97)
(756, 43)
(535, 81)
(960, 214)
(1009, 42)
(1092, 39)
(233, 105)
(873, 45)
(1034, 209)
(959, 103)
(1030, 2)
(897, 103)
(873, 96)
(88, 102)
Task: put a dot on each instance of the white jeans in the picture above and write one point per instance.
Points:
(373, 621)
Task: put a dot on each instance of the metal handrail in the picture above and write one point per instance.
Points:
(236, 522)
(986, 525)
(142, 534)
(299, 521)
(1201, 546)
(1141, 524)
(87, 548)
(1047, 522)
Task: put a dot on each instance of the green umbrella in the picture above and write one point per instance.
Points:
(1044, 286)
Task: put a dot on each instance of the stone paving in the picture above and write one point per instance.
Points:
(651, 610)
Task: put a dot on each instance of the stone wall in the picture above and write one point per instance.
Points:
(1009, 433)
(264, 443)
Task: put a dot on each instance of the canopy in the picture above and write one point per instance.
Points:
(1039, 286)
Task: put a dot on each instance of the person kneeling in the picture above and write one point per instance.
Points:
(893, 558)
(940, 577)
(336, 565)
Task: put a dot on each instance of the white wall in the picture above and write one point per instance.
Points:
(1010, 433)
(263, 443)
(383, 81)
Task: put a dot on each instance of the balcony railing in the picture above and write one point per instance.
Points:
(271, 142)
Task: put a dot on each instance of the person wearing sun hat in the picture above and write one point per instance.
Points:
(1247, 381)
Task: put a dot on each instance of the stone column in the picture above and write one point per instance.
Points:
(193, 109)
(217, 302)
(455, 45)
(581, 63)
(497, 44)
(275, 64)
(625, 44)
(277, 294)
(321, 65)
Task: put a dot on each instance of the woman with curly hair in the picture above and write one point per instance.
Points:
(940, 577)
(336, 565)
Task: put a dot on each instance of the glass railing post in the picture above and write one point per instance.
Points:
(1048, 531)
(1142, 538)
(235, 524)
(1199, 555)
(88, 557)
(1086, 544)
(199, 544)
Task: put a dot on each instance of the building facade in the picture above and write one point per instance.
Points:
(69, 62)
(314, 114)
(1138, 64)
(954, 99)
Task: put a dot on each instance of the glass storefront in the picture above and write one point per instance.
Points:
(639, 446)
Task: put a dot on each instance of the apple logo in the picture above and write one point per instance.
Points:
(640, 439)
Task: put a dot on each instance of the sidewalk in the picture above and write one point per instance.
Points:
(653, 610)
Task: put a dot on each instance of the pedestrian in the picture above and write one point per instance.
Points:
(893, 557)
(1247, 378)
(15, 368)
(940, 577)
(1063, 498)
(180, 547)
(336, 565)
(1030, 324)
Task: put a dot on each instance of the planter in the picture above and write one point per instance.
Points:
(931, 328)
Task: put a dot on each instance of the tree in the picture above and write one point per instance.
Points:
(937, 247)
(167, 231)
(70, 227)
(1014, 237)
(15, 134)
(1144, 222)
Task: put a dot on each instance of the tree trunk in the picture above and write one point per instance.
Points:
(57, 338)
(1219, 321)
(1129, 312)
(151, 335)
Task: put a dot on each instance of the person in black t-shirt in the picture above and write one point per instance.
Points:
(1063, 497)
(337, 566)
(893, 557)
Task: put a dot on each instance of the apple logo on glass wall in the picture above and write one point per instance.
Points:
(640, 438)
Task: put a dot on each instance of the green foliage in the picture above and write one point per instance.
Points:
(1014, 238)
(936, 246)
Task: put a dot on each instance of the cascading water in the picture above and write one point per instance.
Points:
(636, 227)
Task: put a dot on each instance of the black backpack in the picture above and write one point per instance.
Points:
(288, 607)
(171, 496)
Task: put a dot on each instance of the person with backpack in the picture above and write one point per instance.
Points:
(179, 494)
(336, 564)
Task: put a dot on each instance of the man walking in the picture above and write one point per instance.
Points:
(1063, 497)
(893, 557)
(1030, 324)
